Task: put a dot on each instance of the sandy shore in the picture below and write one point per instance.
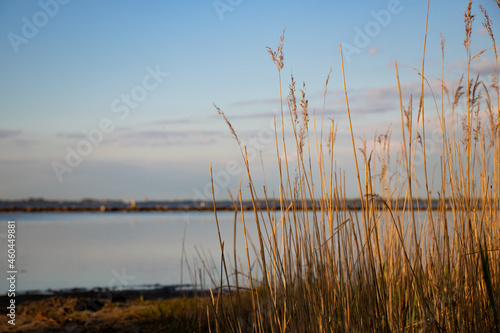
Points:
(99, 310)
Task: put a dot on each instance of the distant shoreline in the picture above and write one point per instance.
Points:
(153, 291)
(195, 206)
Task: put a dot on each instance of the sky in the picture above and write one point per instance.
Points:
(115, 99)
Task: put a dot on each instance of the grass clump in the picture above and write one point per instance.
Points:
(389, 266)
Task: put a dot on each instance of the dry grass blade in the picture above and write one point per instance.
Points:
(389, 264)
(277, 56)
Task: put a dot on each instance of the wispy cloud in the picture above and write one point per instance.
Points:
(5, 133)
(172, 121)
(482, 65)
(257, 101)
(379, 100)
(72, 135)
(158, 134)
(151, 134)
(156, 138)
(391, 92)
(362, 101)
(26, 142)
(255, 115)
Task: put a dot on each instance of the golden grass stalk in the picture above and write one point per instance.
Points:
(319, 266)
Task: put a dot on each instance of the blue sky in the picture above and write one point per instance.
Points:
(68, 66)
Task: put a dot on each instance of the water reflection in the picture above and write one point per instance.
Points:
(118, 250)
(124, 250)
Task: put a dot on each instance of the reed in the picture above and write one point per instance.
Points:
(385, 267)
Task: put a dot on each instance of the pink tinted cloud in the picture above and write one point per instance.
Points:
(481, 65)
(382, 99)
(482, 32)
(373, 50)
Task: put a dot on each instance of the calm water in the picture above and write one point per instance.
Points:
(116, 250)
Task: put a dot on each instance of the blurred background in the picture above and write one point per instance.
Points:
(114, 100)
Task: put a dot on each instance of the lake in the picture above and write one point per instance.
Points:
(120, 250)
(115, 250)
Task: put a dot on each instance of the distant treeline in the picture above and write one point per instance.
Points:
(89, 205)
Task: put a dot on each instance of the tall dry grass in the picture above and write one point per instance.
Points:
(388, 266)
